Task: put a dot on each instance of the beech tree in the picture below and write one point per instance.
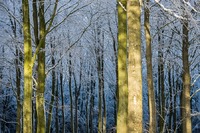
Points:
(151, 92)
(27, 103)
(122, 90)
(135, 109)
(129, 110)
(29, 63)
(185, 96)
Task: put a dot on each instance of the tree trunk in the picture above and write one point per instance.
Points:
(174, 100)
(161, 86)
(77, 90)
(151, 94)
(71, 94)
(27, 103)
(116, 73)
(87, 110)
(92, 86)
(116, 88)
(185, 100)
(18, 75)
(57, 124)
(104, 112)
(102, 85)
(63, 103)
(53, 82)
(100, 122)
(35, 23)
(175, 86)
(76, 115)
(99, 54)
(122, 90)
(135, 110)
(18, 86)
(41, 119)
(170, 102)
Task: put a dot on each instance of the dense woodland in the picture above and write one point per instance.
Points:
(97, 66)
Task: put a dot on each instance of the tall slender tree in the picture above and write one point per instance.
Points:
(71, 94)
(63, 98)
(185, 98)
(92, 86)
(151, 94)
(161, 85)
(18, 61)
(114, 41)
(122, 90)
(27, 103)
(41, 119)
(100, 71)
(53, 83)
(40, 33)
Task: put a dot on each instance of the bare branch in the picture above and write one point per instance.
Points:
(46, 32)
(9, 122)
(66, 18)
(188, 3)
(10, 13)
(169, 11)
(123, 6)
(83, 32)
(195, 93)
(195, 114)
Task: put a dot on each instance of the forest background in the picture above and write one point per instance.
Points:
(99, 66)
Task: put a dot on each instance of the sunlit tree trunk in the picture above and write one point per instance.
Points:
(135, 110)
(40, 37)
(27, 103)
(185, 100)
(41, 119)
(151, 94)
(122, 90)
